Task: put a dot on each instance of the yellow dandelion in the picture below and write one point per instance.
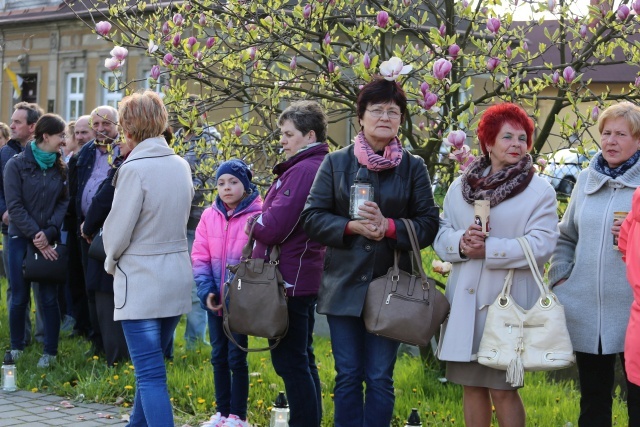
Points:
(171, 399)
(201, 400)
(331, 395)
(260, 380)
(493, 408)
(116, 377)
(43, 376)
(557, 399)
(128, 387)
(125, 404)
(131, 367)
(187, 386)
(189, 394)
(262, 359)
(415, 390)
(66, 384)
(250, 384)
(126, 372)
(260, 402)
(34, 390)
(95, 357)
(184, 356)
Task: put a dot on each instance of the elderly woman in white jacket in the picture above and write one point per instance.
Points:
(146, 245)
(589, 274)
(522, 204)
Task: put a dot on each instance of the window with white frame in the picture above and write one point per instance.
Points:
(75, 95)
(112, 94)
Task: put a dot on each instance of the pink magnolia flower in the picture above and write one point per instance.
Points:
(493, 25)
(465, 3)
(442, 30)
(306, 12)
(623, 12)
(507, 83)
(454, 50)
(198, 55)
(119, 53)
(210, 42)
(103, 28)
(176, 40)
(155, 72)
(556, 77)
(551, 4)
(636, 6)
(406, 3)
(508, 52)
(366, 61)
(525, 46)
(203, 20)
(455, 139)
(165, 28)
(351, 59)
(637, 82)
(441, 68)
(327, 39)
(178, 19)
(382, 19)
(191, 41)
(541, 161)
(252, 52)
(595, 113)
(188, 7)
(237, 130)
(393, 68)
(168, 59)
(112, 63)
(493, 63)
(331, 67)
(424, 88)
(583, 31)
(461, 154)
(294, 63)
(569, 74)
(467, 162)
(430, 99)
(421, 125)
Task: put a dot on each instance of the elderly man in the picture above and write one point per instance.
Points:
(83, 131)
(90, 171)
(23, 123)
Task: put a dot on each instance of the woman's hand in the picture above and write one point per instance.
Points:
(211, 303)
(40, 240)
(615, 229)
(49, 253)
(84, 236)
(472, 242)
(367, 229)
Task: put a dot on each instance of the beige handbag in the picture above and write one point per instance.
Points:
(518, 340)
(404, 307)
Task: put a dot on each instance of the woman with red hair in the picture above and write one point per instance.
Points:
(521, 204)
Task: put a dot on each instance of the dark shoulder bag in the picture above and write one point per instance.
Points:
(36, 268)
(404, 307)
(96, 249)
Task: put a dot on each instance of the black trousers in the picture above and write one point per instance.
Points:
(75, 284)
(597, 374)
(95, 335)
(114, 342)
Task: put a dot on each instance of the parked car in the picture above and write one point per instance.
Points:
(563, 167)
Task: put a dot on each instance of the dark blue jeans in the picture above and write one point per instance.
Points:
(361, 357)
(230, 369)
(148, 340)
(294, 361)
(597, 374)
(20, 296)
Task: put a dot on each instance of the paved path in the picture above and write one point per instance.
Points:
(24, 408)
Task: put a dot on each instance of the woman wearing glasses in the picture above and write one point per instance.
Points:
(361, 249)
(37, 199)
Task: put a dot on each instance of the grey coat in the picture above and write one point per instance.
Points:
(145, 234)
(475, 283)
(596, 295)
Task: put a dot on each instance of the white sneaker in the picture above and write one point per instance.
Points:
(235, 421)
(216, 420)
(15, 355)
(46, 360)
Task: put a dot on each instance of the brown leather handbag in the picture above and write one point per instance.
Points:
(402, 306)
(254, 300)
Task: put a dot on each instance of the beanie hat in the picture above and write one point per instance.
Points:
(239, 169)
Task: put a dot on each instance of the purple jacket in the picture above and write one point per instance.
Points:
(301, 259)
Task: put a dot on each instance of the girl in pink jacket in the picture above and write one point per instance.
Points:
(219, 240)
(629, 245)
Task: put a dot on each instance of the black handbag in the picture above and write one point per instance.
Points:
(402, 306)
(36, 268)
(96, 249)
(254, 301)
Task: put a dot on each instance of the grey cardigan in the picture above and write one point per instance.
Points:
(596, 295)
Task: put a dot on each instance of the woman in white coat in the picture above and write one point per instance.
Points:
(522, 204)
(145, 239)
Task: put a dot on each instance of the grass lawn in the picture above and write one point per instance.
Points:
(191, 385)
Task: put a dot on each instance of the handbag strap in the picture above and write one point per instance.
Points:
(533, 266)
(248, 248)
(413, 238)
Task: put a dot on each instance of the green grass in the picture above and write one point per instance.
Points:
(191, 385)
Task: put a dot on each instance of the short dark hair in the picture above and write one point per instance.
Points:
(51, 124)
(34, 112)
(306, 116)
(381, 91)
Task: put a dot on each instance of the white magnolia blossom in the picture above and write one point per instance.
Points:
(393, 68)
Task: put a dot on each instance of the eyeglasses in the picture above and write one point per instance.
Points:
(63, 135)
(391, 114)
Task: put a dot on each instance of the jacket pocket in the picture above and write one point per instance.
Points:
(120, 288)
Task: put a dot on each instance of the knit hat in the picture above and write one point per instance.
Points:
(237, 168)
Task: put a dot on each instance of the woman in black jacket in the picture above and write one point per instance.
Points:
(37, 199)
(359, 250)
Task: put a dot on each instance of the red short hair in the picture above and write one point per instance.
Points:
(497, 115)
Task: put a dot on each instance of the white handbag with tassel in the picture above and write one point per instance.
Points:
(519, 340)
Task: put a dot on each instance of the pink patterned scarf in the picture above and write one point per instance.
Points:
(374, 162)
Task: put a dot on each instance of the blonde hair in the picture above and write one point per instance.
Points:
(5, 131)
(143, 115)
(630, 112)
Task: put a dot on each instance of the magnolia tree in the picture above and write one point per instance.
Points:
(245, 60)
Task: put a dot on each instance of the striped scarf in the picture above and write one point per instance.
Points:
(374, 162)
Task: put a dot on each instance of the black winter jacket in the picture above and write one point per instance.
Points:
(353, 261)
(12, 148)
(36, 199)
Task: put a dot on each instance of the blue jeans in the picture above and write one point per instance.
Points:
(230, 369)
(47, 298)
(294, 361)
(197, 318)
(148, 340)
(362, 357)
